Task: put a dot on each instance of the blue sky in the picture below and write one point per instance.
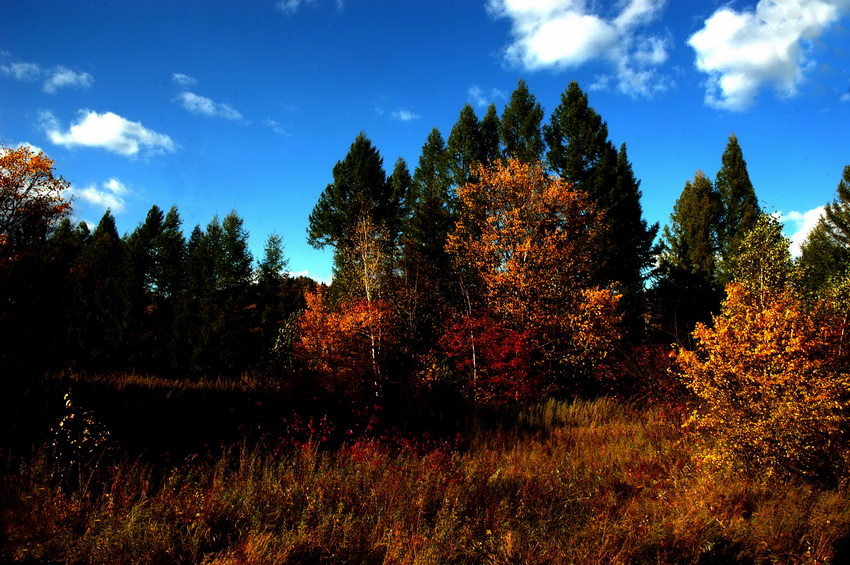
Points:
(215, 106)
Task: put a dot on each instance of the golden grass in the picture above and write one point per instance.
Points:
(575, 482)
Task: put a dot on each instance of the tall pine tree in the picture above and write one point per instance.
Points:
(520, 126)
(581, 153)
(686, 289)
(739, 205)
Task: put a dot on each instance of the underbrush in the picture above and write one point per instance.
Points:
(573, 482)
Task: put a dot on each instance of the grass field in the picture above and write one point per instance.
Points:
(562, 482)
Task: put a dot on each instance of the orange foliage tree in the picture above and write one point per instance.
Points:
(773, 373)
(339, 345)
(532, 243)
(32, 200)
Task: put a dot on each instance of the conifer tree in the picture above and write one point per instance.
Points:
(581, 154)
(360, 192)
(825, 255)
(271, 295)
(686, 291)
(105, 301)
(489, 127)
(465, 147)
(739, 205)
(425, 265)
(520, 126)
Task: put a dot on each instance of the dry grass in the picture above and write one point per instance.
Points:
(580, 482)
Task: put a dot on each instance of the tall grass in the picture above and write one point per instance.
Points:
(572, 482)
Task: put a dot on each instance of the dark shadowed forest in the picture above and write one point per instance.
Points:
(510, 366)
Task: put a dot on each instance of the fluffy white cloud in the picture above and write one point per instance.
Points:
(204, 106)
(800, 225)
(53, 79)
(567, 34)
(405, 115)
(110, 195)
(107, 131)
(183, 80)
(741, 52)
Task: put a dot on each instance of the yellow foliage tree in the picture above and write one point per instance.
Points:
(772, 375)
(32, 199)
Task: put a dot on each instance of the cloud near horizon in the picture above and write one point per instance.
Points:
(107, 131)
(800, 225)
(110, 195)
(745, 51)
(567, 34)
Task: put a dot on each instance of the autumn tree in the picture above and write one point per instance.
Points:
(771, 373)
(533, 243)
(337, 346)
(32, 204)
(32, 200)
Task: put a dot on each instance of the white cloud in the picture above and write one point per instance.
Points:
(183, 80)
(567, 34)
(275, 126)
(405, 115)
(800, 225)
(845, 97)
(204, 106)
(480, 97)
(61, 77)
(291, 6)
(741, 52)
(22, 71)
(107, 131)
(53, 79)
(108, 196)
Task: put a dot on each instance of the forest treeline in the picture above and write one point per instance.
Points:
(511, 263)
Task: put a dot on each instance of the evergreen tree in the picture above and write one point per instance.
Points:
(145, 327)
(465, 147)
(739, 205)
(579, 150)
(360, 189)
(837, 212)
(217, 316)
(104, 310)
(271, 297)
(425, 265)
(825, 255)
(489, 128)
(361, 194)
(520, 126)
(581, 153)
(686, 291)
